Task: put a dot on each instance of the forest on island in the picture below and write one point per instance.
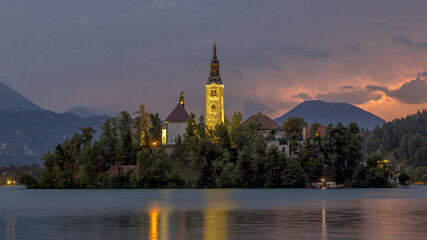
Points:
(402, 141)
(229, 156)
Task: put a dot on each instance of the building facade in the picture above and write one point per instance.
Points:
(214, 94)
(267, 127)
(175, 123)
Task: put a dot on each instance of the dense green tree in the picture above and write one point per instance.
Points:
(156, 128)
(293, 176)
(236, 120)
(28, 181)
(275, 163)
(110, 141)
(293, 125)
(142, 124)
(311, 157)
(342, 151)
(125, 146)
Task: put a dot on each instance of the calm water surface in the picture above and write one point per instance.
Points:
(214, 214)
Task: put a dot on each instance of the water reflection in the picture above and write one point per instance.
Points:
(10, 229)
(216, 214)
(324, 230)
(154, 224)
(218, 204)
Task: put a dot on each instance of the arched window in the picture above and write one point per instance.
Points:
(213, 107)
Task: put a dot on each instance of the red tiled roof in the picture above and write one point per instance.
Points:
(179, 114)
(125, 169)
(266, 122)
(321, 130)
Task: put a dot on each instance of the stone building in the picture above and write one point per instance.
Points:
(214, 95)
(175, 123)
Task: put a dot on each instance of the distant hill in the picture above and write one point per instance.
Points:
(27, 131)
(11, 100)
(81, 112)
(26, 135)
(332, 113)
(89, 111)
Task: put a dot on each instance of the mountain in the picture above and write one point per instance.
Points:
(89, 111)
(332, 113)
(27, 131)
(26, 135)
(11, 100)
(81, 112)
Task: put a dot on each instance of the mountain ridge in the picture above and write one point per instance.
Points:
(11, 100)
(27, 131)
(327, 113)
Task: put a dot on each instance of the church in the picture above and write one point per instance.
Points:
(176, 122)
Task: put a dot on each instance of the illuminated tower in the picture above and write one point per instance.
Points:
(181, 98)
(214, 95)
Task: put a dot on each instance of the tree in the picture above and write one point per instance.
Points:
(143, 124)
(343, 152)
(293, 175)
(86, 136)
(403, 178)
(28, 181)
(236, 120)
(110, 140)
(293, 125)
(275, 164)
(222, 136)
(311, 157)
(125, 150)
(156, 128)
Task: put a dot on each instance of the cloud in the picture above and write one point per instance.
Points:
(405, 40)
(348, 87)
(412, 92)
(303, 96)
(354, 97)
(372, 88)
(353, 48)
(317, 53)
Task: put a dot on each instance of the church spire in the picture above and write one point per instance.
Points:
(181, 98)
(214, 59)
(214, 74)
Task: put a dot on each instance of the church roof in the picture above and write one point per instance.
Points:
(266, 122)
(179, 114)
(321, 130)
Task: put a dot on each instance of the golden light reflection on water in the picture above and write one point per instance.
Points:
(215, 214)
(154, 224)
(324, 229)
(10, 229)
(159, 217)
(159, 223)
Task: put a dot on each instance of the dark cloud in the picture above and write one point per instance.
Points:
(353, 97)
(303, 96)
(353, 48)
(412, 92)
(405, 40)
(118, 55)
(348, 87)
(372, 88)
(256, 54)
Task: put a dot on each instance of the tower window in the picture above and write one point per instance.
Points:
(213, 106)
(213, 92)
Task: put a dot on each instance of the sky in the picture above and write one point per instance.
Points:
(116, 55)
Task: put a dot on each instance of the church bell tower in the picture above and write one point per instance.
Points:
(214, 95)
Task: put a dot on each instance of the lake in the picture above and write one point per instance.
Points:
(214, 214)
